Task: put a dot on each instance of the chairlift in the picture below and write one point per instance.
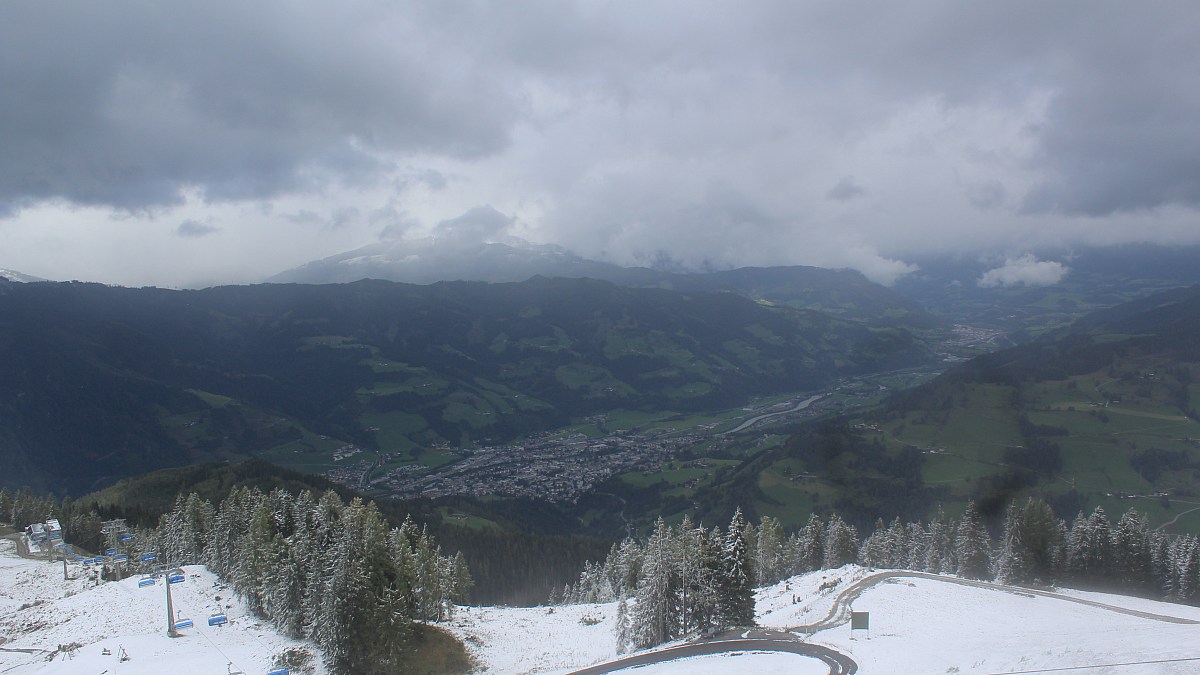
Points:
(183, 623)
(175, 579)
(121, 557)
(218, 620)
(111, 551)
(125, 537)
(281, 671)
(147, 557)
(146, 582)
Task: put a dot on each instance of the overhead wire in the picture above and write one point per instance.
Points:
(1096, 666)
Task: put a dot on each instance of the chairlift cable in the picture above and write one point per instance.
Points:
(222, 653)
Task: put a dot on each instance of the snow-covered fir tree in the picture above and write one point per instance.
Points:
(319, 568)
(1030, 535)
(841, 543)
(972, 546)
(736, 583)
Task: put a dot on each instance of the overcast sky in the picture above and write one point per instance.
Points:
(188, 143)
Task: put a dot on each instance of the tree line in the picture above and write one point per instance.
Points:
(671, 585)
(314, 566)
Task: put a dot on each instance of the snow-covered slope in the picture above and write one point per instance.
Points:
(934, 626)
(48, 625)
(429, 262)
(917, 625)
(13, 275)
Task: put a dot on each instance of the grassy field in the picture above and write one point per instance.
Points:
(460, 519)
(395, 429)
(1121, 436)
(213, 400)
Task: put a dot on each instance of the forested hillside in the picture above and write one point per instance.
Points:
(1101, 413)
(97, 383)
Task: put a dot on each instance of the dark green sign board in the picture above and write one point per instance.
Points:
(860, 620)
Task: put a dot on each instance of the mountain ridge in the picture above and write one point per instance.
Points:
(116, 381)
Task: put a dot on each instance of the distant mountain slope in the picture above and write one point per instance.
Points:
(12, 275)
(97, 383)
(1100, 413)
(846, 293)
(1094, 278)
(429, 263)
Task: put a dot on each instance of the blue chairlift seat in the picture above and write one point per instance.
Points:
(183, 623)
(175, 579)
(218, 620)
(145, 582)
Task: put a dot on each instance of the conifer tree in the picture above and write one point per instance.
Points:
(1089, 549)
(1188, 572)
(737, 586)
(811, 540)
(623, 633)
(895, 544)
(873, 551)
(841, 543)
(939, 557)
(972, 547)
(769, 560)
(462, 579)
(654, 620)
(624, 566)
(916, 551)
(6, 507)
(708, 599)
(1030, 535)
(1131, 553)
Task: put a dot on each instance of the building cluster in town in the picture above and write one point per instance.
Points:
(554, 469)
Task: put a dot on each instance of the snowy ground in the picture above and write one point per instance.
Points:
(917, 626)
(758, 663)
(43, 616)
(929, 626)
(537, 639)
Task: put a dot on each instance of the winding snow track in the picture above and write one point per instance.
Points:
(840, 612)
(764, 641)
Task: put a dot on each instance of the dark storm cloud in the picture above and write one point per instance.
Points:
(845, 189)
(126, 103)
(700, 132)
(1123, 131)
(195, 229)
